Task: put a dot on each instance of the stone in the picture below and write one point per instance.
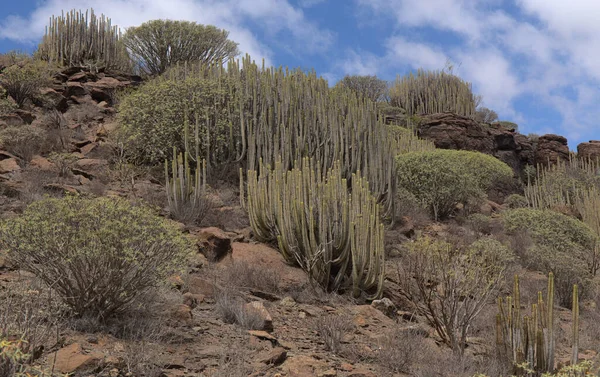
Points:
(75, 89)
(60, 188)
(259, 308)
(275, 356)
(41, 163)
(9, 165)
(590, 150)
(199, 286)
(328, 373)
(385, 305)
(408, 227)
(550, 149)
(54, 99)
(304, 366)
(86, 149)
(214, 243)
(362, 373)
(181, 312)
(261, 334)
(73, 359)
(192, 300)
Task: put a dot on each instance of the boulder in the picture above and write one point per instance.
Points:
(54, 99)
(451, 131)
(590, 150)
(75, 89)
(214, 243)
(9, 165)
(41, 163)
(73, 359)
(385, 305)
(258, 308)
(551, 148)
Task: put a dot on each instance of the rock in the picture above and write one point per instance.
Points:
(75, 89)
(408, 227)
(385, 305)
(54, 99)
(60, 188)
(9, 165)
(551, 148)
(199, 286)
(590, 150)
(214, 243)
(25, 115)
(92, 166)
(366, 316)
(451, 131)
(328, 373)
(262, 256)
(181, 312)
(304, 366)
(192, 300)
(287, 302)
(362, 373)
(274, 357)
(12, 120)
(103, 89)
(73, 359)
(259, 308)
(41, 163)
(261, 334)
(86, 149)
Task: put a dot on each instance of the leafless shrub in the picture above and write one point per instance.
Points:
(232, 363)
(332, 329)
(244, 275)
(34, 182)
(399, 350)
(58, 132)
(140, 358)
(23, 141)
(232, 309)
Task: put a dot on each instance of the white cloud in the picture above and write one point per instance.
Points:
(273, 16)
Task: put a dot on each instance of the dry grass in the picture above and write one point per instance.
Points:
(332, 329)
(232, 309)
(140, 359)
(247, 276)
(232, 363)
(399, 349)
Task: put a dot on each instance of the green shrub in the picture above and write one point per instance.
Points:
(24, 81)
(485, 115)
(370, 87)
(430, 92)
(83, 39)
(152, 118)
(23, 141)
(159, 44)
(450, 285)
(99, 255)
(560, 244)
(442, 178)
(514, 201)
(7, 104)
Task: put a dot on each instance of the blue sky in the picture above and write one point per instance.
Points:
(536, 62)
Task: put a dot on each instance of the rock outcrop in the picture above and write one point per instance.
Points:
(589, 150)
(550, 149)
(451, 131)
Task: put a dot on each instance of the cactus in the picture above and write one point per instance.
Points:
(288, 115)
(430, 92)
(332, 233)
(186, 190)
(530, 340)
(83, 39)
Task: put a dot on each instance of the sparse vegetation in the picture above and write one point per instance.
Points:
(23, 81)
(98, 254)
(370, 87)
(23, 141)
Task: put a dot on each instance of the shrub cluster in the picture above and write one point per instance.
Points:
(560, 244)
(23, 81)
(442, 178)
(100, 255)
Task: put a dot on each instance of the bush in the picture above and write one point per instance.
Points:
(79, 39)
(152, 119)
(442, 178)
(485, 115)
(98, 254)
(560, 244)
(24, 81)
(159, 44)
(23, 141)
(451, 285)
(370, 87)
(514, 201)
(7, 104)
(430, 92)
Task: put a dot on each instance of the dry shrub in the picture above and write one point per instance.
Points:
(232, 363)
(244, 275)
(232, 309)
(23, 141)
(23, 81)
(58, 134)
(34, 182)
(332, 329)
(400, 349)
(140, 358)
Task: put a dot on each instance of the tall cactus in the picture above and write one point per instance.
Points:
(530, 340)
(332, 233)
(186, 190)
(83, 39)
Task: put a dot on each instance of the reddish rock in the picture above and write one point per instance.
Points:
(75, 89)
(275, 356)
(589, 150)
(304, 366)
(74, 359)
(86, 149)
(9, 165)
(451, 131)
(264, 257)
(91, 164)
(192, 300)
(259, 308)
(551, 148)
(54, 99)
(181, 313)
(214, 243)
(199, 286)
(41, 163)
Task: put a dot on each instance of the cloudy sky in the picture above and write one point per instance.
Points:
(536, 62)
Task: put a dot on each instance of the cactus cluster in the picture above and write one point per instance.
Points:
(286, 115)
(83, 39)
(528, 341)
(430, 92)
(334, 234)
